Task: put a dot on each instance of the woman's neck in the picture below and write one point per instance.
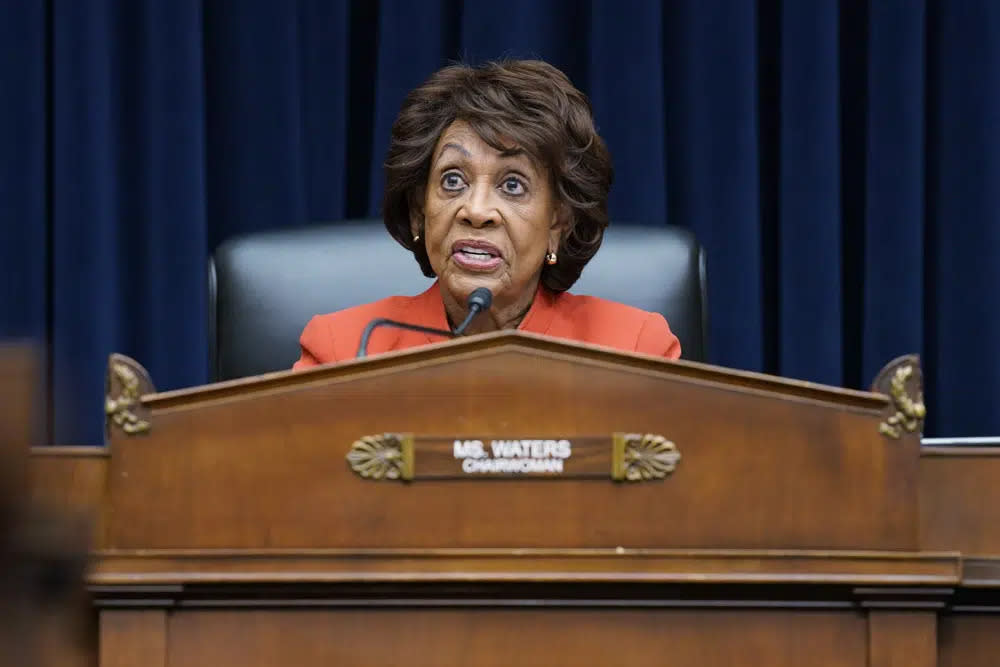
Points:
(501, 315)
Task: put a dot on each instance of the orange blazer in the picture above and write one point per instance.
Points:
(335, 336)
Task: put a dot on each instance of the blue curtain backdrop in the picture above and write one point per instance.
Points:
(839, 160)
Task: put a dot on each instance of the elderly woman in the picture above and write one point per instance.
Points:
(495, 178)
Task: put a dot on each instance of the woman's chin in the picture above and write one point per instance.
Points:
(461, 284)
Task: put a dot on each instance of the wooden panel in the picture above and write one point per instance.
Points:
(133, 638)
(971, 640)
(960, 499)
(265, 468)
(902, 639)
(481, 638)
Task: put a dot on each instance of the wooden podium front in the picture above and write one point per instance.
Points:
(509, 499)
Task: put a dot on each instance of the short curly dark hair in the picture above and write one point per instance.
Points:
(525, 102)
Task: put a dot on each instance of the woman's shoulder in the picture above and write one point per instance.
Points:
(389, 307)
(595, 311)
(604, 322)
(585, 304)
(334, 336)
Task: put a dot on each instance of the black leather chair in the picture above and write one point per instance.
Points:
(264, 287)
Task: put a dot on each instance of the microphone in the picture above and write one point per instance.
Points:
(478, 301)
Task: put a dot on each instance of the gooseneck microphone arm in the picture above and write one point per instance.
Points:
(478, 301)
(383, 322)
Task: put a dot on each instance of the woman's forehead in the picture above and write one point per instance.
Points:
(462, 138)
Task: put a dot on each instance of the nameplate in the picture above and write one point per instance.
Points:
(622, 457)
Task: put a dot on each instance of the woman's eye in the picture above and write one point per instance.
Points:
(452, 181)
(513, 186)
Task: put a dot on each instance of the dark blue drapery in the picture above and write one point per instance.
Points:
(839, 160)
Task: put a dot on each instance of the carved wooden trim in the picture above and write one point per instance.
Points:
(543, 347)
(125, 384)
(388, 456)
(513, 576)
(902, 381)
(882, 572)
(642, 457)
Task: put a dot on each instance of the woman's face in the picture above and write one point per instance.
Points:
(488, 218)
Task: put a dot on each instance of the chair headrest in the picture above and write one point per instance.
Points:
(264, 287)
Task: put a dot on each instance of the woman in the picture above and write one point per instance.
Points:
(496, 178)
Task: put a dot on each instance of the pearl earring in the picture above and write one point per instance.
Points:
(550, 258)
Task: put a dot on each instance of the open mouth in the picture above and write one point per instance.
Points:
(476, 255)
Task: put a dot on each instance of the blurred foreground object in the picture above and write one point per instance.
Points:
(47, 619)
(18, 373)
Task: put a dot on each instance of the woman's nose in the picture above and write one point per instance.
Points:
(480, 209)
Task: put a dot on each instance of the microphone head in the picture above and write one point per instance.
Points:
(481, 298)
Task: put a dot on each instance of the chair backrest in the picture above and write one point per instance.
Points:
(264, 287)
